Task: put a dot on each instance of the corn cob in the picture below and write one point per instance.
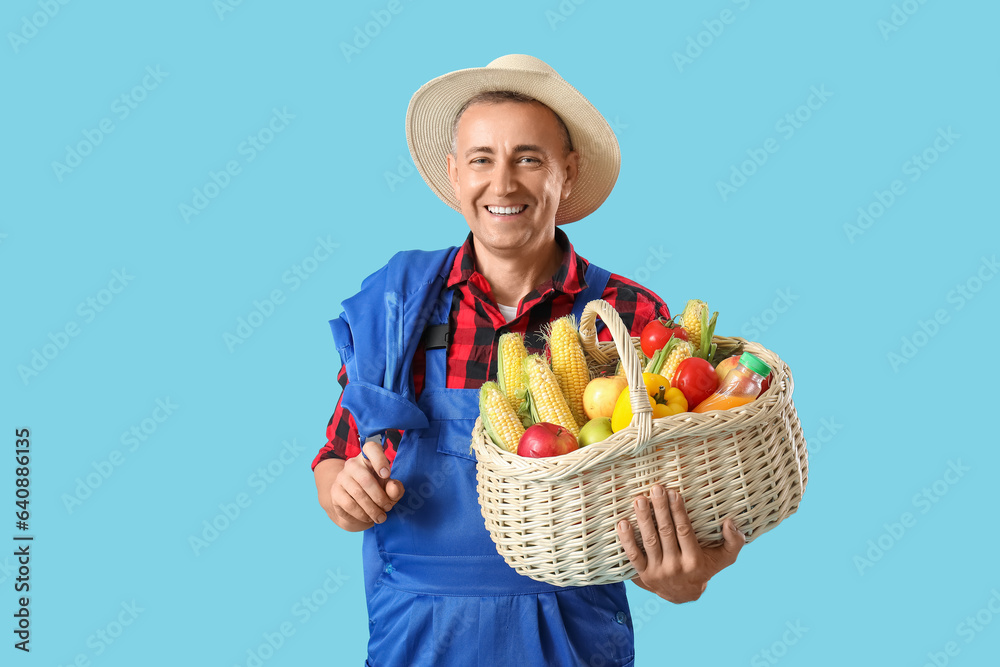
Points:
(544, 400)
(691, 320)
(569, 365)
(668, 357)
(699, 328)
(680, 352)
(510, 359)
(499, 419)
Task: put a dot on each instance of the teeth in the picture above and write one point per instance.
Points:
(505, 210)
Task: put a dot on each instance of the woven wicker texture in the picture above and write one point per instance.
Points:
(553, 519)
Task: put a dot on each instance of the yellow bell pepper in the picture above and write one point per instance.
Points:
(665, 400)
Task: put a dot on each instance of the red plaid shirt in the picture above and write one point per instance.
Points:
(475, 323)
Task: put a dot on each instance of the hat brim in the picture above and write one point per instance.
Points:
(433, 108)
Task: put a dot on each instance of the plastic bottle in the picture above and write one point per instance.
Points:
(741, 385)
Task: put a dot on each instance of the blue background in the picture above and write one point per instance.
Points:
(857, 588)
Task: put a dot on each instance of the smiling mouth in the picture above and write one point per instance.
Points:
(506, 210)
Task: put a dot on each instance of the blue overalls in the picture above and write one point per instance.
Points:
(438, 592)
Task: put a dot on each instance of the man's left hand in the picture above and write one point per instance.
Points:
(671, 563)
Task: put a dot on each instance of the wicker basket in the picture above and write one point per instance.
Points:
(553, 519)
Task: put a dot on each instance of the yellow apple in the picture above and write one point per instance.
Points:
(725, 366)
(600, 395)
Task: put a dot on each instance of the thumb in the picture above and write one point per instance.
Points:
(394, 489)
(373, 450)
(734, 540)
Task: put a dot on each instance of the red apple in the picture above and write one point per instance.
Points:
(766, 383)
(601, 394)
(696, 379)
(545, 439)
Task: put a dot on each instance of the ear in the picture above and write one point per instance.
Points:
(453, 176)
(572, 171)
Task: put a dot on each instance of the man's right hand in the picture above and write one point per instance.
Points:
(358, 492)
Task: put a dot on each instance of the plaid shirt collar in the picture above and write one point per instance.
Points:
(568, 278)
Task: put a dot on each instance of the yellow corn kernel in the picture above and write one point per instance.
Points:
(569, 365)
(510, 358)
(682, 350)
(499, 419)
(545, 400)
(691, 321)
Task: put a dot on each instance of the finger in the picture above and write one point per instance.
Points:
(372, 511)
(668, 537)
(394, 490)
(682, 525)
(344, 504)
(373, 449)
(371, 485)
(632, 550)
(734, 540)
(725, 554)
(647, 530)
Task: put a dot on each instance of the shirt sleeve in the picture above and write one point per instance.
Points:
(342, 439)
(637, 305)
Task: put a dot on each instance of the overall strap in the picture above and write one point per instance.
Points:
(597, 280)
(436, 371)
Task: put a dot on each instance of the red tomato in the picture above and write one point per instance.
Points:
(656, 334)
(696, 379)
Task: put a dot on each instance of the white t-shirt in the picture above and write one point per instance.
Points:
(508, 312)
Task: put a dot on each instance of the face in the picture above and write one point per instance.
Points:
(509, 156)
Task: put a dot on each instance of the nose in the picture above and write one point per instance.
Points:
(503, 179)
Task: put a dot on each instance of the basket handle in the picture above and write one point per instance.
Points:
(642, 410)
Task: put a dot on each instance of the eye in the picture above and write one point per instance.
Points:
(531, 159)
(478, 160)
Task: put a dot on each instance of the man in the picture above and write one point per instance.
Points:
(517, 151)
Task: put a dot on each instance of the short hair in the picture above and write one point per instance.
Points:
(498, 97)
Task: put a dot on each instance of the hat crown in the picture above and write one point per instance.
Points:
(431, 114)
(520, 61)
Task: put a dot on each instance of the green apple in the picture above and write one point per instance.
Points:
(595, 430)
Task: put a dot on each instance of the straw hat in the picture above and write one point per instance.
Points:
(433, 108)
